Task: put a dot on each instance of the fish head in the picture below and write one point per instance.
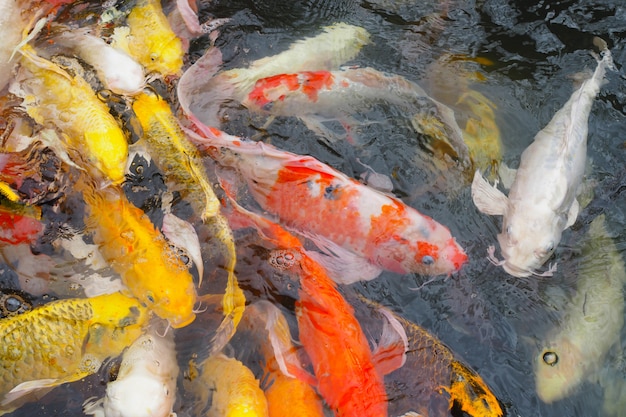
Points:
(528, 239)
(558, 370)
(139, 394)
(175, 304)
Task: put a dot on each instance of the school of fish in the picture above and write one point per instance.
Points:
(127, 211)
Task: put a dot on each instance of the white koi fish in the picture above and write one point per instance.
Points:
(592, 321)
(542, 200)
(146, 382)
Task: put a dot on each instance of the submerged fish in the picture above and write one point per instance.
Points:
(225, 387)
(54, 97)
(182, 165)
(148, 265)
(433, 381)
(348, 375)
(146, 382)
(320, 96)
(16, 228)
(591, 323)
(286, 394)
(343, 216)
(542, 200)
(63, 341)
(201, 91)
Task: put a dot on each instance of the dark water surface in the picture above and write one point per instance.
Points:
(525, 53)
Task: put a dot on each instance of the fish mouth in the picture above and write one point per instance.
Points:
(516, 271)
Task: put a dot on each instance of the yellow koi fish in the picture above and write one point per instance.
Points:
(229, 387)
(52, 96)
(63, 341)
(148, 265)
(181, 162)
(151, 40)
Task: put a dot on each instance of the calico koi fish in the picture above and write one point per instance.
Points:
(146, 382)
(347, 374)
(181, 162)
(51, 96)
(542, 199)
(592, 321)
(286, 394)
(16, 228)
(444, 381)
(227, 388)
(63, 341)
(150, 39)
(148, 265)
(333, 47)
(339, 213)
(318, 96)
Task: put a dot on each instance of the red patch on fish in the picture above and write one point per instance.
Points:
(276, 88)
(15, 229)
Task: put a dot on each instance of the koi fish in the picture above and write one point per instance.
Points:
(14, 302)
(146, 382)
(12, 24)
(115, 68)
(63, 341)
(17, 228)
(433, 380)
(148, 265)
(150, 39)
(339, 213)
(181, 162)
(592, 321)
(225, 387)
(286, 394)
(334, 46)
(318, 96)
(347, 374)
(542, 199)
(51, 96)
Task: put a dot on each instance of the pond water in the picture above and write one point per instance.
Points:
(523, 57)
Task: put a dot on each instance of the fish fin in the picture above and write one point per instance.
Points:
(488, 199)
(507, 175)
(28, 387)
(94, 407)
(572, 214)
(343, 266)
(183, 235)
(390, 354)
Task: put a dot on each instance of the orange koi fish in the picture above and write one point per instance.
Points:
(286, 395)
(148, 265)
(340, 214)
(433, 381)
(347, 374)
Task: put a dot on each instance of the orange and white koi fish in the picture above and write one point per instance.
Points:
(63, 341)
(339, 213)
(348, 375)
(148, 265)
(286, 394)
(54, 97)
(433, 380)
(319, 96)
(204, 91)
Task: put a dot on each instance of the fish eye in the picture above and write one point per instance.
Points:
(550, 246)
(428, 260)
(12, 303)
(550, 358)
(150, 297)
(154, 57)
(509, 230)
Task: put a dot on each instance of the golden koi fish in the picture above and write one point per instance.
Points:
(63, 341)
(148, 265)
(229, 387)
(180, 160)
(152, 42)
(54, 97)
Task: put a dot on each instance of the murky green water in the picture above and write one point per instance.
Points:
(525, 54)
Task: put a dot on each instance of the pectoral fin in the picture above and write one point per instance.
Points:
(572, 214)
(391, 351)
(487, 198)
